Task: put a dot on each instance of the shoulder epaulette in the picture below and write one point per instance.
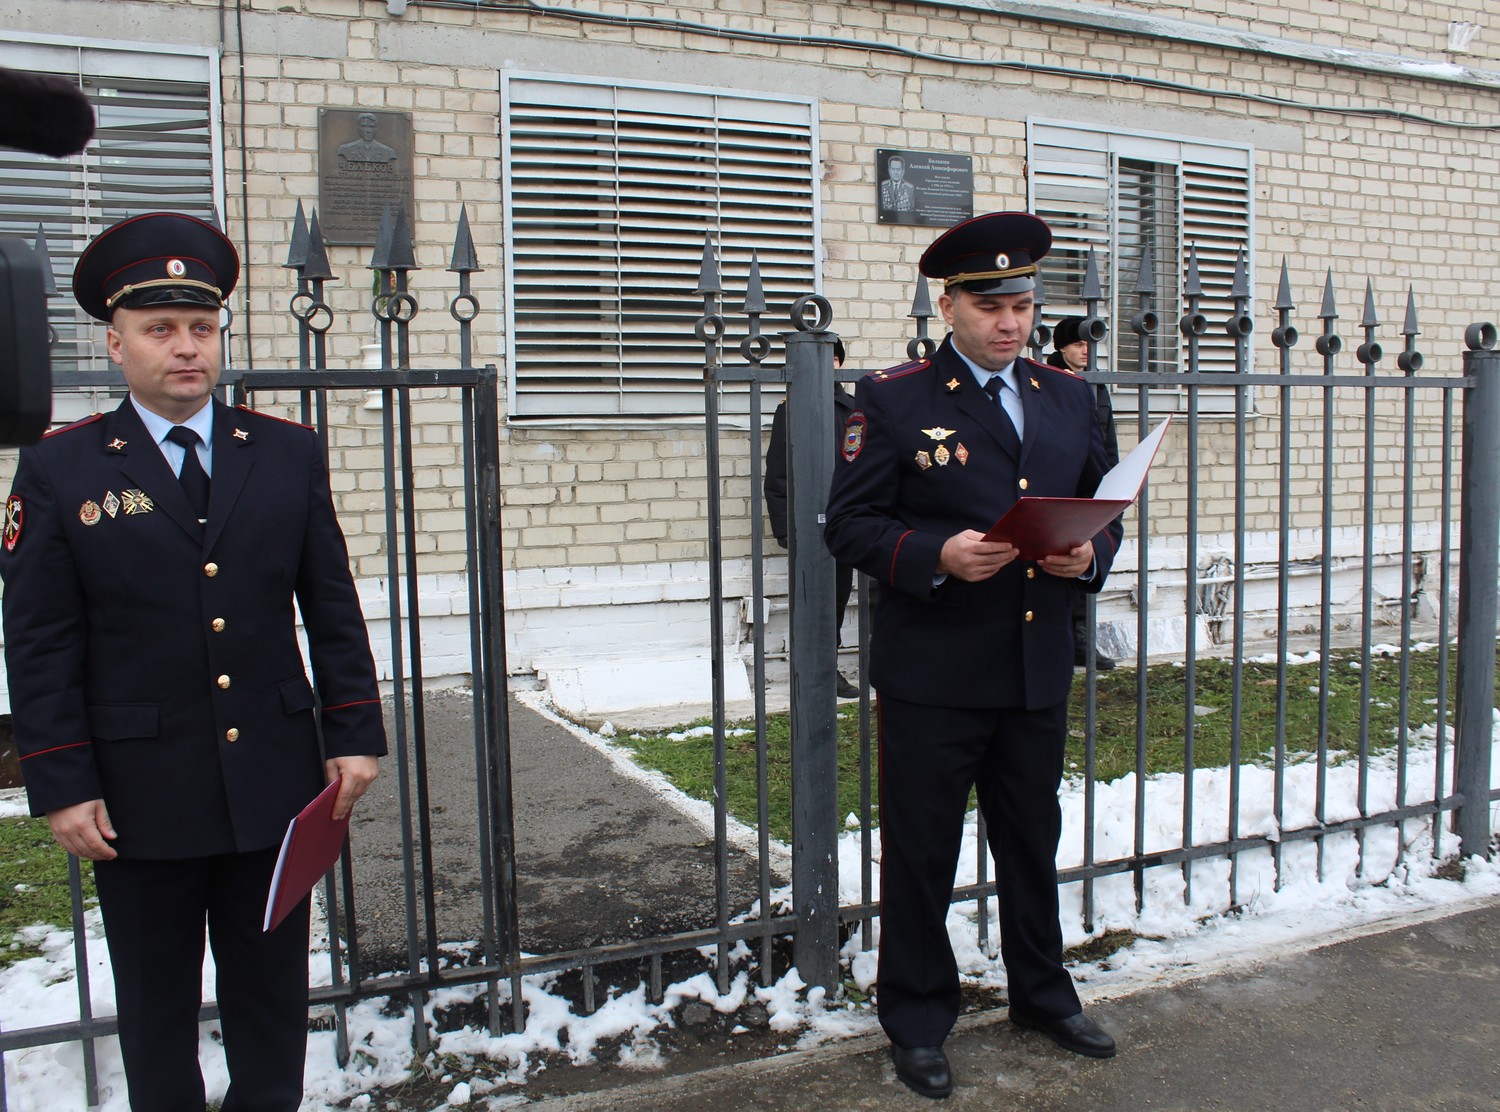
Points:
(900, 371)
(271, 417)
(1050, 367)
(89, 420)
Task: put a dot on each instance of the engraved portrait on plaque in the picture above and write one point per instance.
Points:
(364, 165)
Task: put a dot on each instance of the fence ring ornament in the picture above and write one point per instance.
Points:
(1480, 337)
(1328, 344)
(822, 308)
(710, 327)
(755, 348)
(306, 309)
(464, 307)
(1285, 336)
(401, 307)
(1041, 336)
(920, 347)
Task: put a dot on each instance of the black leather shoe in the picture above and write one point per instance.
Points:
(1077, 1033)
(847, 690)
(924, 1070)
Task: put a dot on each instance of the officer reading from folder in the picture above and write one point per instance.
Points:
(165, 722)
(972, 653)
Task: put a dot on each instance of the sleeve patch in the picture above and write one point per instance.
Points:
(854, 436)
(14, 513)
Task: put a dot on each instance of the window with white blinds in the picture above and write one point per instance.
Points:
(152, 149)
(1125, 195)
(610, 193)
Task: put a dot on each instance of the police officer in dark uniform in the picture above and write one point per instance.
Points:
(972, 654)
(161, 706)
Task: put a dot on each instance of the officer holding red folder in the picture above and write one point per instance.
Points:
(972, 653)
(165, 723)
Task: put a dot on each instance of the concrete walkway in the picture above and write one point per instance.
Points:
(1400, 1020)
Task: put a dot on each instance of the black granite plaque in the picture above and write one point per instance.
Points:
(364, 164)
(923, 187)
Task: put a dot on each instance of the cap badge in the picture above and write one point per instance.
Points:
(176, 268)
(1002, 261)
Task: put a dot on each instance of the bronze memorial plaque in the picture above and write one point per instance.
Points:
(364, 164)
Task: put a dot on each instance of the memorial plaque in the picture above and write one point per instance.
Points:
(364, 164)
(923, 187)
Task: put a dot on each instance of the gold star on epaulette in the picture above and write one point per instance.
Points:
(241, 434)
(952, 385)
(1035, 385)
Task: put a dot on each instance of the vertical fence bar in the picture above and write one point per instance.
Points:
(1328, 345)
(1478, 565)
(711, 332)
(1283, 338)
(1367, 574)
(1408, 589)
(814, 644)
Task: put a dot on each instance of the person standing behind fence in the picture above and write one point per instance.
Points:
(971, 657)
(162, 711)
(775, 491)
(1070, 351)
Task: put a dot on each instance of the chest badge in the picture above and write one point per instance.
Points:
(961, 454)
(938, 433)
(137, 502)
(111, 503)
(89, 513)
(924, 461)
(942, 455)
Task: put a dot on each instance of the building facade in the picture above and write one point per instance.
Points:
(594, 145)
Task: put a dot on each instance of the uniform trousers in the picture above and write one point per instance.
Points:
(930, 757)
(154, 914)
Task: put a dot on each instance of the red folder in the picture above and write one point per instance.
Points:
(1051, 526)
(313, 842)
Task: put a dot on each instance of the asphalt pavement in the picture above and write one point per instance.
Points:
(1404, 1019)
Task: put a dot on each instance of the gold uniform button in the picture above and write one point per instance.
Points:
(217, 625)
(1031, 573)
(210, 570)
(231, 734)
(224, 682)
(1024, 484)
(1028, 615)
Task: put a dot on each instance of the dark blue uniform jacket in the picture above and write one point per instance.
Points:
(154, 662)
(922, 459)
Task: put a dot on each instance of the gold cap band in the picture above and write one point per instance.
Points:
(986, 275)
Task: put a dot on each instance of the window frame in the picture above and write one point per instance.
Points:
(733, 258)
(1195, 159)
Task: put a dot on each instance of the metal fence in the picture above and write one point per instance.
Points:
(819, 921)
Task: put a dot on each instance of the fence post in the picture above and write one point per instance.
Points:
(813, 652)
(1478, 564)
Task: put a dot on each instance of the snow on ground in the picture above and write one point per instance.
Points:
(1186, 935)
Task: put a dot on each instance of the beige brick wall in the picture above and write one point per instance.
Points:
(1405, 203)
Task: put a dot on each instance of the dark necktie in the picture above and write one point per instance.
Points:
(193, 478)
(1011, 438)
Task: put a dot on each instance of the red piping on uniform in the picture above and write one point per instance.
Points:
(897, 552)
(356, 703)
(54, 749)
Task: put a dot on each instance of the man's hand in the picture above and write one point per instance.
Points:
(82, 829)
(1072, 564)
(969, 556)
(358, 773)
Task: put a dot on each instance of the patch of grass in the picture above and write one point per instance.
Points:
(34, 888)
(687, 759)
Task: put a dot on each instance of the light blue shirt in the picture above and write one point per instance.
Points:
(1010, 393)
(201, 423)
